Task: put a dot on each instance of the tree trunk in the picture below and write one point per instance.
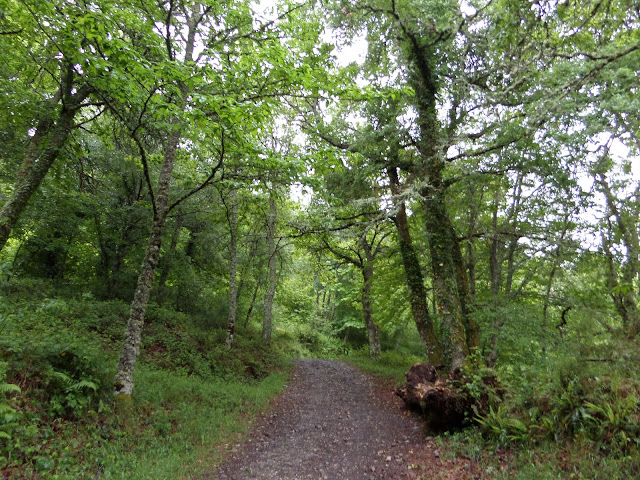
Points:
(233, 266)
(556, 262)
(272, 278)
(167, 261)
(372, 329)
(413, 273)
(495, 250)
(45, 146)
(253, 302)
(470, 326)
(472, 225)
(625, 301)
(512, 221)
(445, 284)
(450, 284)
(123, 382)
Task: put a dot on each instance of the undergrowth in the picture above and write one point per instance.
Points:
(192, 395)
(557, 416)
(391, 365)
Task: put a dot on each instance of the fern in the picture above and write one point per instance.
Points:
(84, 384)
(64, 378)
(9, 388)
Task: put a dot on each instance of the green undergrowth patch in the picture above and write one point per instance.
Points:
(59, 420)
(561, 417)
(390, 365)
(297, 340)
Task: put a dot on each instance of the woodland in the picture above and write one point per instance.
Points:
(193, 193)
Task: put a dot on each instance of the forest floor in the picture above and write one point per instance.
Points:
(334, 422)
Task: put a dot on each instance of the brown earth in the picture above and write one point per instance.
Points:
(334, 422)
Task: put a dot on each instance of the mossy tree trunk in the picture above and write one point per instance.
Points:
(45, 145)
(458, 331)
(123, 382)
(272, 278)
(232, 217)
(413, 275)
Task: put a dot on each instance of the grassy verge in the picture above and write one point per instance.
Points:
(391, 366)
(193, 398)
(179, 426)
(561, 419)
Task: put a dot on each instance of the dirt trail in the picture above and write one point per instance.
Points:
(332, 423)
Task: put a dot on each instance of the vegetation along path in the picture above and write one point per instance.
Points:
(333, 422)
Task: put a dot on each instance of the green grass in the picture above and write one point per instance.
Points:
(582, 420)
(390, 366)
(178, 425)
(193, 398)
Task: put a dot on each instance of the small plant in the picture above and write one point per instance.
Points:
(8, 415)
(74, 396)
(504, 427)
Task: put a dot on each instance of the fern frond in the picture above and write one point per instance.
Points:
(84, 384)
(9, 387)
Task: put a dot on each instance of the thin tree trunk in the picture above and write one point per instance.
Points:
(471, 330)
(181, 303)
(167, 261)
(244, 275)
(556, 262)
(267, 324)
(253, 302)
(116, 265)
(372, 329)
(512, 219)
(470, 250)
(123, 382)
(495, 259)
(413, 274)
(233, 266)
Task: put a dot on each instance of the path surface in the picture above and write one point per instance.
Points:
(332, 423)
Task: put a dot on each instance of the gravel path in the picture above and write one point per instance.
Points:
(332, 423)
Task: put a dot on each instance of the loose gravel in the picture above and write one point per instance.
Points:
(333, 422)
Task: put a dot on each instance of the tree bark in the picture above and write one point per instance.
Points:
(450, 284)
(495, 253)
(166, 262)
(445, 282)
(123, 382)
(267, 323)
(253, 302)
(372, 329)
(625, 299)
(233, 265)
(556, 262)
(472, 225)
(413, 274)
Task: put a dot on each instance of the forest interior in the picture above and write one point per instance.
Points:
(194, 194)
